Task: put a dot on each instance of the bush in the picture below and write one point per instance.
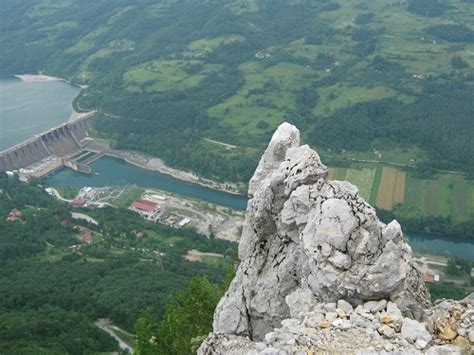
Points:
(458, 63)
(364, 19)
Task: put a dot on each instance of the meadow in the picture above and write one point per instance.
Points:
(388, 188)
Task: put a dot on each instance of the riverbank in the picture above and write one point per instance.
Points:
(156, 164)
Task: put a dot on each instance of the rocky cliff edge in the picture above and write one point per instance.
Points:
(319, 272)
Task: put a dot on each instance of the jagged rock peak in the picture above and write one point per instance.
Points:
(306, 241)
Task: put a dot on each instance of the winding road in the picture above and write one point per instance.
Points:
(104, 324)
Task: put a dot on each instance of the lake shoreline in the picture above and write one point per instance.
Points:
(156, 164)
(34, 78)
(41, 78)
(136, 158)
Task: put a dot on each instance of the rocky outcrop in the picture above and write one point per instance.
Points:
(370, 328)
(314, 255)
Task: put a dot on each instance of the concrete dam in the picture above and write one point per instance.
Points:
(57, 144)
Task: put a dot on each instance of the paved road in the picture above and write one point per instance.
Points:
(104, 324)
(56, 194)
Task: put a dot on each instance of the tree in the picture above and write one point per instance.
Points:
(458, 63)
(188, 317)
(147, 332)
(262, 124)
(458, 266)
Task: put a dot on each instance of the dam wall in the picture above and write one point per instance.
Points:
(62, 141)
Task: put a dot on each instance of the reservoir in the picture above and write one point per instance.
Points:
(29, 108)
(109, 171)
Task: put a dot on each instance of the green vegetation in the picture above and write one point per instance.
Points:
(430, 8)
(167, 75)
(368, 80)
(452, 33)
(363, 179)
(55, 285)
(188, 317)
(68, 192)
(446, 290)
(443, 204)
(457, 269)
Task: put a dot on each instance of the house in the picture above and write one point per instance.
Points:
(183, 222)
(427, 278)
(14, 215)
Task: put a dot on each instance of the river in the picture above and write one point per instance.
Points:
(109, 171)
(113, 172)
(29, 108)
(442, 245)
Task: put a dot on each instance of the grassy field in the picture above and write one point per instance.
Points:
(268, 93)
(399, 190)
(162, 75)
(416, 193)
(206, 45)
(432, 198)
(128, 195)
(402, 40)
(363, 179)
(339, 95)
(470, 198)
(387, 187)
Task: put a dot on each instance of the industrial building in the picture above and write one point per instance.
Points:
(147, 209)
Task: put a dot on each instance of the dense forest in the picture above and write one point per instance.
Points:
(54, 285)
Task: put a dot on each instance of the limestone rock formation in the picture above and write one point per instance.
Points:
(314, 257)
(363, 330)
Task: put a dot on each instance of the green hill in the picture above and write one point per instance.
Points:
(355, 76)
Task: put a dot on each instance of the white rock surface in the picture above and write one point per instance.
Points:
(303, 231)
(414, 331)
(307, 240)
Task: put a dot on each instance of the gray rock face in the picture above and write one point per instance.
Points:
(415, 332)
(385, 330)
(305, 232)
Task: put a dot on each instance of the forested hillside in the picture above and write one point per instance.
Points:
(58, 275)
(354, 75)
(203, 84)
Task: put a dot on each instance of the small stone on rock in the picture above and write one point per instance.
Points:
(413, 331)
(329, 307)
(345, 306)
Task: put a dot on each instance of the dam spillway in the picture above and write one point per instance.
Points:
(63, 141)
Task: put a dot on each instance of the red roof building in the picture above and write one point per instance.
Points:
(144, 205)
(79, 202)
(427, 278)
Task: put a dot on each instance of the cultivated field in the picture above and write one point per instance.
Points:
(387, 187)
